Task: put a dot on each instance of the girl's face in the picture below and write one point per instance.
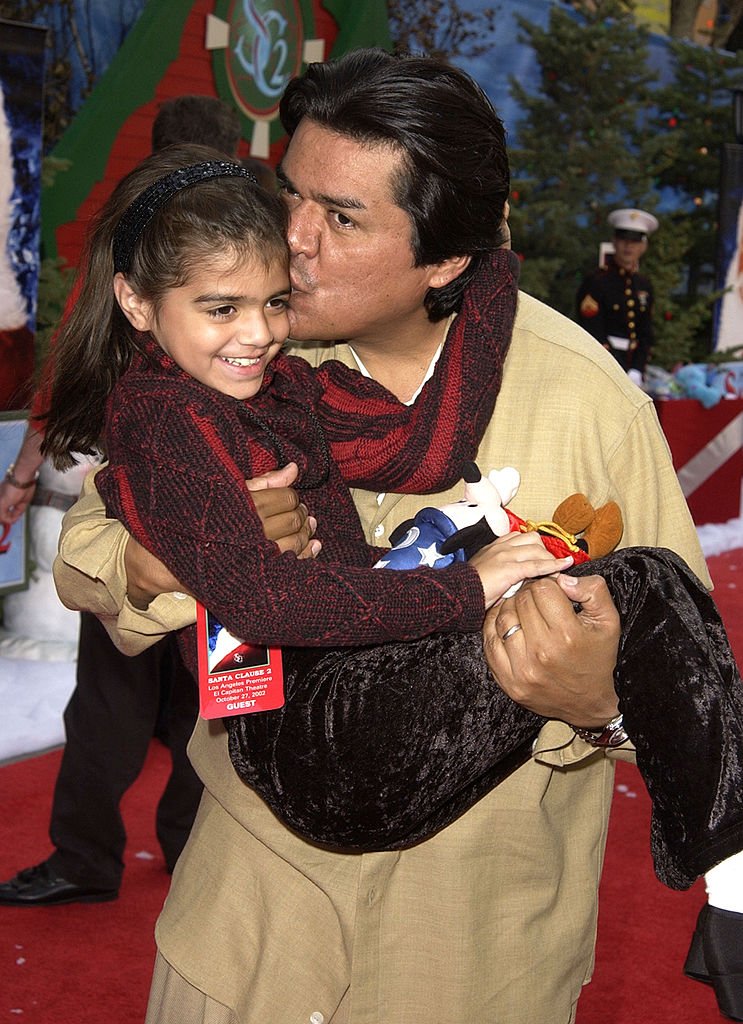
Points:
(224, 326)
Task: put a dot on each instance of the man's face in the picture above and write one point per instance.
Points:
(352, 269)
(627, 252)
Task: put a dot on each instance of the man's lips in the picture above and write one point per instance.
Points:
(301, 285)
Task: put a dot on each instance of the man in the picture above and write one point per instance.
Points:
(117, 702)
(396, 178)
(615, 301)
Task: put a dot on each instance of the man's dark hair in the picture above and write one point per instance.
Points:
(455, 175)
(202, 120)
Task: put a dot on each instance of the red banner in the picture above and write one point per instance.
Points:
(707, 450)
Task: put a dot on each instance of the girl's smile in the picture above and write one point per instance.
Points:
(224, 326)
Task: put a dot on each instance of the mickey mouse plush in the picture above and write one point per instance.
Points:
(437, 537)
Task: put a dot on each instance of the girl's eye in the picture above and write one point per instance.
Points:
(222, 311)
(279, 304)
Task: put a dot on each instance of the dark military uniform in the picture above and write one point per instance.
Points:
(616, 307)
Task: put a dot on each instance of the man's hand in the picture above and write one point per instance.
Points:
(146, 576)
(284, 518)
(559, 664)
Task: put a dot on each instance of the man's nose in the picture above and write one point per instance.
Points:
(304, 230)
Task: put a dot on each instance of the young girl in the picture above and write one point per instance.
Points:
(175, 343)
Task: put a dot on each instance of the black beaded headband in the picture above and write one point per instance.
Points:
(138, 214)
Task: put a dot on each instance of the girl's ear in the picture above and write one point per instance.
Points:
(138, 311)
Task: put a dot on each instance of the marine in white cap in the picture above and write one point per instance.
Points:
(615, 302)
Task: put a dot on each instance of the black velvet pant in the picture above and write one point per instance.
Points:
(380, 747)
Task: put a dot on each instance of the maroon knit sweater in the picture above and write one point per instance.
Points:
(179, 454)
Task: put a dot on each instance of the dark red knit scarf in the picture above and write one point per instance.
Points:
(381, 444)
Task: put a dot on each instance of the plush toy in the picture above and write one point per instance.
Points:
(437, 537)
(693, 380)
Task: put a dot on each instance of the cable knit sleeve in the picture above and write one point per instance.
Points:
(174, 483)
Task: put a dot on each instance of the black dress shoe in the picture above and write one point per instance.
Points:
(41, 886)
(716, 957)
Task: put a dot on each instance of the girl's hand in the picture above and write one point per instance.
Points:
(511, 559)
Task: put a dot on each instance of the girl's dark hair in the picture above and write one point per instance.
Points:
(455, 177)
(95, 343)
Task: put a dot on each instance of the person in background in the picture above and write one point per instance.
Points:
(394, 165)
(615, 301)
(264, 173)
(118, 702)
(205, 120)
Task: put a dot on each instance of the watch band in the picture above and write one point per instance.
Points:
(15, 482)
(613, 734)
(47, 498)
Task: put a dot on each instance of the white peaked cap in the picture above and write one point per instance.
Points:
(633, 220)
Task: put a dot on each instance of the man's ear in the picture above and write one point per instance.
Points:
(444, 272)
(138, 311)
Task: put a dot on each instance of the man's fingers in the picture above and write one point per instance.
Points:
(283, 477)
(285, 519)
(289, 531)
(535, 605)
(287, 525)
(277, 502)
(592, 593)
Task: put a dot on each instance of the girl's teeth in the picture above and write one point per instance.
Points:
(241, 362)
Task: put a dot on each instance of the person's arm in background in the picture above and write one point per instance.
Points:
(19, 484)
(14, 498)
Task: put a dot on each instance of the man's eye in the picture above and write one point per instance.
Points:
(342, 220)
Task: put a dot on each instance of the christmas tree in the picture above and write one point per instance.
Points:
(578, 143)
(692, 118)
(602, 132)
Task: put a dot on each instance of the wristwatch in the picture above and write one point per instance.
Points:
(613, 734)
(15, 482)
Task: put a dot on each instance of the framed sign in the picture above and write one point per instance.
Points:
(14, 537)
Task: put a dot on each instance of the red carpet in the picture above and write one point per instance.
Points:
(89, 964)
(82, 963)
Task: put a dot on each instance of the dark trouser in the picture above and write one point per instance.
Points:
(380, 747)
(109, 724)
